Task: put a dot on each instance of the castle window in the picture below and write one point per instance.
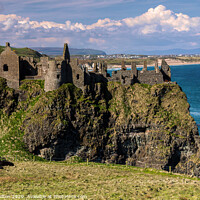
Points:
(77, 76)
(5, 68)
(58, 76)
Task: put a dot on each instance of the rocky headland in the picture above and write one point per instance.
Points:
(141, 125)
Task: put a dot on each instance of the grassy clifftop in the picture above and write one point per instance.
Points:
(23, 52)
(94, 181)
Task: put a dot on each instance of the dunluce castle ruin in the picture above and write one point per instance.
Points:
(61, 70)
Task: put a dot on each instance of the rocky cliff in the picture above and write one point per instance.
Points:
(140, 125)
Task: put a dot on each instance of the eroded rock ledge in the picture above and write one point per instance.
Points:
(143, 125)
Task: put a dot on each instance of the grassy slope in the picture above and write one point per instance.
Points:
(96, 181)
(24, 52)
(11, 135)
(189, 59)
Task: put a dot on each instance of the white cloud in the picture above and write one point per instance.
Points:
(103, 23)
(154, 20)
(160, 19)
(158, 23)
(97, 41)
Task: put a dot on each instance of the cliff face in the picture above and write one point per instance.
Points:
(142, 125)
(8, 98)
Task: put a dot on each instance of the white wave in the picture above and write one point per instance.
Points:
(195, 113)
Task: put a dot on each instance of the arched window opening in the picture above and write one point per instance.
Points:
(5, 68)
(58, 76)
(77, 76)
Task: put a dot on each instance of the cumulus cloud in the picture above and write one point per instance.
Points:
(157, 23)
(160, 19)
(103, 23)
(97, 41)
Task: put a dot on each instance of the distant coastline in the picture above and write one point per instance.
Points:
(179, 62)
(169, 62)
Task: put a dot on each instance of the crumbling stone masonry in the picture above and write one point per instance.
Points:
(155, 76)
(10, 67)
(61, 70)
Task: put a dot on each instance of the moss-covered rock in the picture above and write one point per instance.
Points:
(142, 125)
(8, 98)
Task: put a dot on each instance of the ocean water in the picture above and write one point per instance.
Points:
(188, 77)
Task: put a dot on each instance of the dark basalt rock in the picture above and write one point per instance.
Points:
(4, 162)
(116, 124)
(142, 125)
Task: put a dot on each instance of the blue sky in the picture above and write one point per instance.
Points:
(115, 26)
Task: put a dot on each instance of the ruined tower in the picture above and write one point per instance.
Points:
(53, 77)
(166, 71)
(10, 67)
(66, 54)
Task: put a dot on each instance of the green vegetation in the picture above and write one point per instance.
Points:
(11, 133)
(95, 181)
(32, 85)
(159, 104)
(137, 104)
(163, 104)
(188, 59)
(23, 52)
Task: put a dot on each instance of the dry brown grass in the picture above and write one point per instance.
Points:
(96, 181)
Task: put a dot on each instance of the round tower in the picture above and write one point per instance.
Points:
(53, 77)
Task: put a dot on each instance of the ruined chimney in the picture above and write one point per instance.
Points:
(66, 54)
(145, 66)
(95, 69)
(133, 68)
(123, 67)
(157, 70)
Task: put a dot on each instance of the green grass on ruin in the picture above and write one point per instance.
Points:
(23, 52)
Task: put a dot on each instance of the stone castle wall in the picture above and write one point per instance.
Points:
(53, 77)
(61, 70)
(10, 67)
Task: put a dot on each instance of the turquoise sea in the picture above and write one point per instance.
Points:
(188, 77)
